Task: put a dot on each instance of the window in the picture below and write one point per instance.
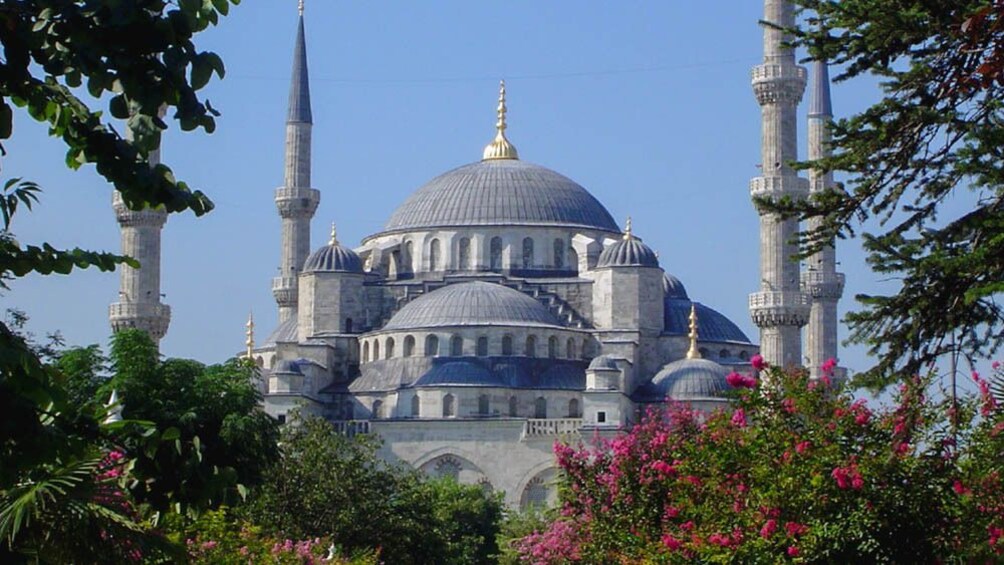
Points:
(744, 355)
(573, 259)
(483, 346)
(376, 350)
(431, 346)
(527, 252)
(559, 254)
(456, 346)
(570, 348)
(536, 494)
(448, 467)
(573, 409)
(348, 325)
(513, 407)
(434, 257)
(704, 352)
(483, 405)
(449, 406)
(724, 354)
(415, 404)
(531, 346)
(409, 254)
(377, 409)
(389, 348)
(540, 407)
(409, 345)
(366, 352)
(281, 418)
(585, 348)
(496, 254)
(507, 345)
(348, 410)
(601, 417)
(465, 254)
(552, 347)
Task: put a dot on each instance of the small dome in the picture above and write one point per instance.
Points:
(472, 304)
(333, 258)
(287, 367)
(714, 326)
(689, 379)
(604, 362)
(673, 288)
(628, 252)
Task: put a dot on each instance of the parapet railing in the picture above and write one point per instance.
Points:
(538, 427)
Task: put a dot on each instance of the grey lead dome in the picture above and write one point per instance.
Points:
(472, 304)
(630, 252)
(334, 258)
(689, 379)
(501, 192)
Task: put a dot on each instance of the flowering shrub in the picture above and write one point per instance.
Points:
(794, 471)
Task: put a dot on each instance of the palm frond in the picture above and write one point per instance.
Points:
(37, 497)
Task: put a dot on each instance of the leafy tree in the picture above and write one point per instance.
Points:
(935, 136)
(84, 370)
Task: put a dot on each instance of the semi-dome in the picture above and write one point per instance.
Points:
(689, 379)
(501, 192)
(459, 373)
(472, 304)
(714, 325)
(603, 362)
(333, 257)
(627, 252)
(673, 288)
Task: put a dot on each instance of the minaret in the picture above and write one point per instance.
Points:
(821, 281)
(295, 200)
(139, 303)
(780, 309)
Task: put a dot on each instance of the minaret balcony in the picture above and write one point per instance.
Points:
(777, 83)
(297, 202)
(284, 289)
(790, 308)
(773, 187)
(151, 317)
(822, 284)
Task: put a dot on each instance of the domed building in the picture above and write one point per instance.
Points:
(500, 308)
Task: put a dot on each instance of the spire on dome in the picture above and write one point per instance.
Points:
(627, 230)
(299, 88)
(500, 147)
(819, 94)
(693, 352)
(249, 342)
(334, 235)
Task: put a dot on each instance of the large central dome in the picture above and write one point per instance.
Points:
(501, 192)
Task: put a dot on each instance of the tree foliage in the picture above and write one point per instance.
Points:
(935, 138)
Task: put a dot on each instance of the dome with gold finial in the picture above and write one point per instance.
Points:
(500, 147)
(690, 379)
(629, 251)
(333, 257)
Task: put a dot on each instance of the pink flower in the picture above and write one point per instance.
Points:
(828, 366)
(788, 405)
(672, 543)
(768, 528)
(960, 488)
(795, 529)
(802, 446)
(995, 365)
(739, 418)
(758, 363)
(736, 380)
(793, 551)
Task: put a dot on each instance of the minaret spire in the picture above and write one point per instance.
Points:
(780, 309)
(295, 200)
(500, 147)
(249, 333)
(821, 281)
(693, 352)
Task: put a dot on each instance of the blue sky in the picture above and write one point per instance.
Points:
(646, 104)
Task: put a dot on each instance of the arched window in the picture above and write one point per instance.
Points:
(573, 409)
(483, 405)
(573, 259)
(507, 345)
(449, 406)
(348, 410)
(483, 346)
(431, 346)
(559, 254)
(389, 349)
(434, 255)
(496, 254)
(586, 351)
(704, 352)
(456, 346)
(531, 346)
(377, 409)
(465, 254)
(366, 352)
(415, 406)
(724, 354)
(552, 347)
(409, 345)
(745, 356)
(348, 325)
(527, 252)
(376, 349)
(513, 407)
(570, 348)
(540, 407)
(409, 256)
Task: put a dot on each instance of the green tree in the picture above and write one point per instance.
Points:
(84, 370)
(934, 137)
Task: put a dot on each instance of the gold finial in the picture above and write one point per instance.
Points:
(334, 235)
(249, 342)
(627, 229)
(301, 7)
(500, 147)
(693, 353)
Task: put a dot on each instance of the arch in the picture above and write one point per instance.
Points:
(348, 325)
(376, 349)
(483, 346)
(484, 405)
(540, 407)
(431, 345)
(538, 491)
(449, 406)
(724, 354)
(377, 409)
(389, 348)
(409, 345)
(573, 259)
(586, 349)
(527, 252)
(552, 347)
(704, 352)
(456, 346)
(570, 349)
(464, 253)
(513, 407)
(495, 254)
(531, 346)
(415, 406)
(573, 408)
(259, 361)
(366, 352)
(408, 257)
(744, 355)
(559, 253)
(434, 255)
(507, 345)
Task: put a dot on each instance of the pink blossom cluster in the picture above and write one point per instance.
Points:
(737, 380)
(848, 477)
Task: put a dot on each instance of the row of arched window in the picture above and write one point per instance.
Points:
(555, 349)
(725, 354)
(465, 262)
(449, 407)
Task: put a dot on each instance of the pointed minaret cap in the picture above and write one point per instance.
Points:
(249, 342)
(820, 105)
(334, 235)
(114, 408)
(500, 147)
(693, 352)
(299, 88)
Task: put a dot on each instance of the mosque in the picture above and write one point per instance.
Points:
(501, 307)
